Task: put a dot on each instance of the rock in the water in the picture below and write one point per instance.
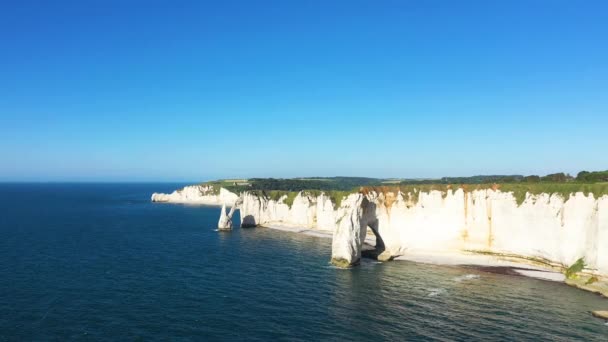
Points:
(599, 286)
(350, 232)
(600, 314)
(385, 256)
(343, 263)
(225, 222)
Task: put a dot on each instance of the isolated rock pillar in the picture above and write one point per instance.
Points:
(350, 232)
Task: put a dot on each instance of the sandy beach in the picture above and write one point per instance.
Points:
(485, 263)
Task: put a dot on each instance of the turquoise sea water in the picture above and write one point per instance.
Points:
(100, 262)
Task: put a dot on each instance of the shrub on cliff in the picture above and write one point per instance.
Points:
(575, 268)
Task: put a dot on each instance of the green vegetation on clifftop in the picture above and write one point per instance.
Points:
(518, 190)
(337, 188)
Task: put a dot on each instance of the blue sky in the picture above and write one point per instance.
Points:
(188, 91)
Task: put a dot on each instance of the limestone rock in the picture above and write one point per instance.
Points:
(544, 226)
(259, 210)
(600, 314)
(385, 256)
(600, 286)
(197, 194)
(225, 222)
(350, 232)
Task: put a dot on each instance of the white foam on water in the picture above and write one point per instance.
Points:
(436, 292)
(466, 277)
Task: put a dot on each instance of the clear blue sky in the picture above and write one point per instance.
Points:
(178, 90)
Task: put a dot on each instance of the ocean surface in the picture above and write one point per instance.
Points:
(101, 262)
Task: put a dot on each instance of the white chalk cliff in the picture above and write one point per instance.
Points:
(198, 194)
(350, 231)
(225, 222)
(545, 226)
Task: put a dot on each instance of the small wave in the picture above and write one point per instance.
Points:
(216, 230)
(466, 277)
(436, 292)
(365, 262)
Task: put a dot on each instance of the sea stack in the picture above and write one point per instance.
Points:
(225, 222)
(349, 233)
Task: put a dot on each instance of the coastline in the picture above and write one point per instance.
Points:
(293, 229)
(369, 242)
(479, 262)
(211, 201)
(197, 203)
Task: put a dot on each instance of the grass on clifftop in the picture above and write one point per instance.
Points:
(326, 184)
(562, 189)
(226, 184)
(519, 190)
(339, 187)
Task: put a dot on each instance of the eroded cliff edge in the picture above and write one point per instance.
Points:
(552, 230)
(544, 228)
(198, 194)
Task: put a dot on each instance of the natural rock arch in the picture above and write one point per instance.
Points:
(351, 230)
(225, 221)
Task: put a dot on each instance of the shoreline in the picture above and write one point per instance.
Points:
(194, 203)
(369, 242)
(479, 262)
(300, 230)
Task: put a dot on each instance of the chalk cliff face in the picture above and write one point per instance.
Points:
(225, 222)
(258, 210)
(197, 194)
(543, 226)
(350, 231)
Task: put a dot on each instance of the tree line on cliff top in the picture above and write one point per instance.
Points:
(350, 183)
(313, 183)
(581, 177)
